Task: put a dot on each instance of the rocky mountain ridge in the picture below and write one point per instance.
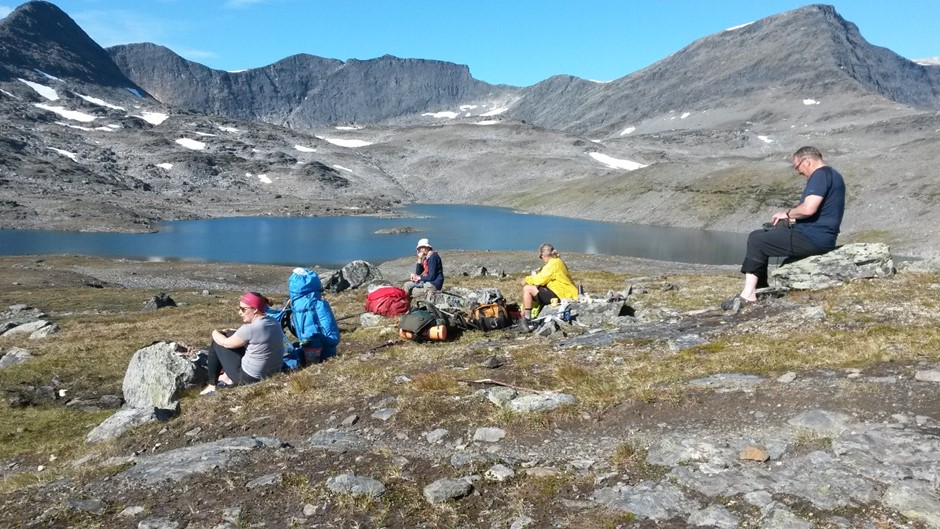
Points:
(700, 139)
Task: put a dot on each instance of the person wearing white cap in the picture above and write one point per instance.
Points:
(429, 270)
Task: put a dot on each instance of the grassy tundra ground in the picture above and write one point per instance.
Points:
(626, 390)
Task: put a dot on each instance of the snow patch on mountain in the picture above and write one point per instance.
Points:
(154, 118)
(100, 102)
(616, 163)
(74, 115)
(346, 143)
(809, 102)
(442, 115)
(301, 148)
(47, 76)
(628, 130)
(67, 154)
(732, 28)
(191, 144)
(43, 90)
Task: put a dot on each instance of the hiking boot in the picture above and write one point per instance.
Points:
(526, 325)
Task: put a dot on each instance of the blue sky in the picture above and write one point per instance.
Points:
(519, 42)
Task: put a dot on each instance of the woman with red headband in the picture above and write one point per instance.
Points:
(253, 352)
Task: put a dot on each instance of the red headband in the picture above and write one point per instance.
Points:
(255, 301)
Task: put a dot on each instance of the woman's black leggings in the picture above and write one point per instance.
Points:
(230, 360)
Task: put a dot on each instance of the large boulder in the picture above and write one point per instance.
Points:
(852, 261)
(155, 375)
(353, 275)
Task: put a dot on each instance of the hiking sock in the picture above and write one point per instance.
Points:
(527, 314)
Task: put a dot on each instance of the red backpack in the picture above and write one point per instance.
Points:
(387, 301)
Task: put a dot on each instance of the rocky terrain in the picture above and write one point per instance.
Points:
(814, 409)
(97, 139)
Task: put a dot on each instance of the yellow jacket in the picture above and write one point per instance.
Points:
(554, 275)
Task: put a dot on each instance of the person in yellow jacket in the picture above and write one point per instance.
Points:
(552, 281)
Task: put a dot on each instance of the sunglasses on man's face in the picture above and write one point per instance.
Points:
(243, 309)
(796, 166)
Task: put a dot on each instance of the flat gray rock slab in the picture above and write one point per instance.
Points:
(915, 500)
(728, 382)
(355, 485)
(541, 402)
(179, 464)
(447, 489)
(16, 355)
(337, 441)
(124, 419)
(489, 435)
(822, 422)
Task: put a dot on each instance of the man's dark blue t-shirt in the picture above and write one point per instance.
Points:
(822, 229)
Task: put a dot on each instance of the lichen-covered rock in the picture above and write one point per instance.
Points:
(852, 261)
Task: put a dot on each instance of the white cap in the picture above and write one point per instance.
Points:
(423, 242)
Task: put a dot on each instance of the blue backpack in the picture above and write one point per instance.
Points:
(310, 319)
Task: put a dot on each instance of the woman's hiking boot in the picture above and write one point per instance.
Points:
(525, 325)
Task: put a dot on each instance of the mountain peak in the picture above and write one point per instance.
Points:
(40, 36)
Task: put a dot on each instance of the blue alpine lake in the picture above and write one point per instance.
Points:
(332, 242)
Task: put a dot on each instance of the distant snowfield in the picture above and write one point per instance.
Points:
(346, 143)
(494, 112)
(928, 61)
(100, 102)
(809, 102)
(9, 94)
(732, 28)
(67, 154)
(348, 127)
(262, 177)
(135, 92)
(47, 76)
(191, 144)
(341, 168)
(765, 139)
(197, 133)
(107, 128)
(616, 163)
(442, 115)
(301, 148)
(74, 115)
(488, 122)
(166, 166)
(154, 118)
(42, 90)
(228, 129)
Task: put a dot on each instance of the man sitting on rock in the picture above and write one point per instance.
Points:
(809, 228)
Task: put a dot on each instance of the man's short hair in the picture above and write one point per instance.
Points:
(808, 152)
